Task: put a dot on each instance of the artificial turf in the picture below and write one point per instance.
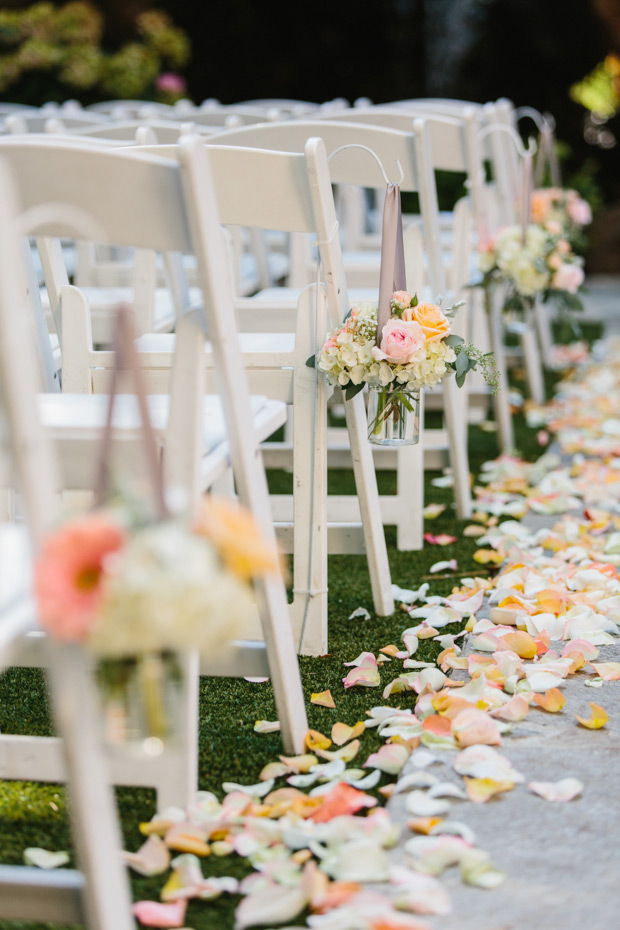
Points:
(36, 814)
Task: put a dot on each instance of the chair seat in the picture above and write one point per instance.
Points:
(76, 420)
(260, 350)
(103, 300)
(82, 416)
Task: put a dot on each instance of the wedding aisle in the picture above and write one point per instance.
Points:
(453, 746)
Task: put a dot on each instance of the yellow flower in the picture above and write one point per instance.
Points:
(432, 320)
(237, 537)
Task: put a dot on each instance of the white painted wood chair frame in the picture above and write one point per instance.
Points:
(99, 896)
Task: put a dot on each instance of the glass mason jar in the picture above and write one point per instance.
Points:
(393, 415)
(140, 698)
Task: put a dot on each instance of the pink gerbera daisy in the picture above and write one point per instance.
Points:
(68, 574)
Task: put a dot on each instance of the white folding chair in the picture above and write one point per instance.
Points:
(98, 896)
(292, 192)
(145, 208)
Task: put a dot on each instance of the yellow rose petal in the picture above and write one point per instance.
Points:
(323, 699)
(597, 720)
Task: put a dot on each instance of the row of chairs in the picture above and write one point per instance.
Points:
(174, 201)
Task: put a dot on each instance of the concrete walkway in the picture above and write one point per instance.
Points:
(561, 860)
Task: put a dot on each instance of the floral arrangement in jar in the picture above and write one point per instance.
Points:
(539, 263)
(136, 594)
(415, 349)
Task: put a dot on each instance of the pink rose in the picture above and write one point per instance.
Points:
(568, 277)
(401, 299)
(399, 342)
(579, 211)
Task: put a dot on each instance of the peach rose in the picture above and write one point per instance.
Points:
(541, 203)
(400, 340)
(431, 318)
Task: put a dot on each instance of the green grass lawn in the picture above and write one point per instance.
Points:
(36, 815)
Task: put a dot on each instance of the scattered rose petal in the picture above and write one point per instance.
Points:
(266, 726)
(45, 858)
(343, 799)
(420, 804)
(480, 790)
(323, 699)
(598, 718)
(552, 700)
(341, 733)
(152, 858)
(488, 557)
(473, 727)
(271, 904)
(364, 676)
(345, 753)
(443, 539)
(153, 914)
(474, 530)
(390, 758)
(315, 740)
(258, 790)
(564, 790)
(432, 511)
(450, 566)
(299, 764)
(360, 613)
(608, 671)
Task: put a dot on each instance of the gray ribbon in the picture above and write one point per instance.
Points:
(126, 359)
(392, 273)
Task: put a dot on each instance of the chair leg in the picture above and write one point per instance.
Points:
(93, 814)
(177, 778)
(457, 439)
(542, 316)
(368, 495)
(309, 611)
(501, 402)
(533, 363)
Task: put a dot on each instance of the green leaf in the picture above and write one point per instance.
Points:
(352, 389)
(462, 365)
(454, 340)
(311, 362)
(414, 300)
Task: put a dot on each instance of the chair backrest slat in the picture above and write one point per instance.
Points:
(87, 182)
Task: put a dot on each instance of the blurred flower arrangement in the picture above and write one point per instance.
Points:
(49, 52)
(541, 264)
(120, 586)
(562, 212)
(135, 594)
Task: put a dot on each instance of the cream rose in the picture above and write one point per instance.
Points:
(400, 340)
(431, 318)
